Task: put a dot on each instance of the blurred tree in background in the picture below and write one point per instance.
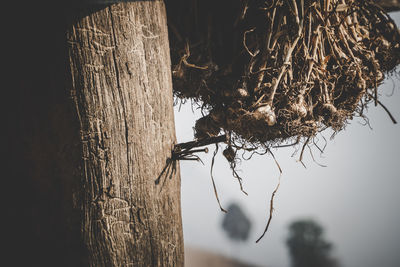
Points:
(236, 224)
(307, 246)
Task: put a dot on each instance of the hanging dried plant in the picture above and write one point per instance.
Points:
(268, 73)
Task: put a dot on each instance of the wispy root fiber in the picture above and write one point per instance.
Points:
(271, 73)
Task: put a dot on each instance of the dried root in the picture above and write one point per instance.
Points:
(269, 71)
(276, 73)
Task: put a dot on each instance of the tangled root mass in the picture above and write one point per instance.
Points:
(270, 71)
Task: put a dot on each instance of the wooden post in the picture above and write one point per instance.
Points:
(91, 128)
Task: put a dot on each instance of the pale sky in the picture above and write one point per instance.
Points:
(355, 198)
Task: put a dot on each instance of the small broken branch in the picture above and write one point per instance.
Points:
(199, 143)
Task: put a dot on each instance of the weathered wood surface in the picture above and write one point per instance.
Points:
(122, 89)
(89, 127)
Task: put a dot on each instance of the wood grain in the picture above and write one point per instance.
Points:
(89, 126)
(122, 90)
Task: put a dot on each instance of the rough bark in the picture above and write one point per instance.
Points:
(122, 89)
(89, 128)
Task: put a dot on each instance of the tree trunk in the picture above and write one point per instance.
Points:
(90, 128)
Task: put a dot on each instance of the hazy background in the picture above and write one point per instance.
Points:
(355, 198)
